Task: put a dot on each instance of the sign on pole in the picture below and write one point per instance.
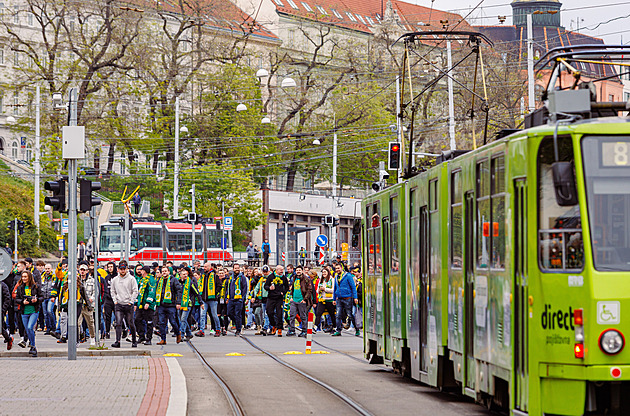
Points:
(64, 226)
(321, 240)
(228, 223)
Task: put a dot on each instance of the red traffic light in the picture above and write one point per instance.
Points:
(395, 148)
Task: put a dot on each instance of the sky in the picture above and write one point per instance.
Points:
(591, 16)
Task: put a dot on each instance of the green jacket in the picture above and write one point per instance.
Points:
(146, 292)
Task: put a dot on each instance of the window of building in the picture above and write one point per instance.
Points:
(15, 106)
(279, 3)
(626, 96)
(307, 7)
(322, 10)
(351, 16)
(560, 243)
(292, 4)
(28, 153)
(360, 18)
(1, 105)
(16, 58)
(14, 150)
(337, 14)
(30, 18)
(456, 221)
(16, 15)
(370, 21)
(611, 97)
(1, 56)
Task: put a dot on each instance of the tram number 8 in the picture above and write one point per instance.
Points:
(620, 157)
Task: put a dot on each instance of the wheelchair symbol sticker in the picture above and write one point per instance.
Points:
(608, 313)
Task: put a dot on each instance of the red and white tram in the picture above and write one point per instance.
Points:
(163, 241)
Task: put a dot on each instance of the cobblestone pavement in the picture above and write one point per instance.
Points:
(56, 386)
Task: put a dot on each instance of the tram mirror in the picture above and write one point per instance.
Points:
(564, 183)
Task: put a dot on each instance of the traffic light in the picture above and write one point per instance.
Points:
(58, 199)
(87, 200)
(393, 161)
(11, 225)
(217, 224)
(20, 225)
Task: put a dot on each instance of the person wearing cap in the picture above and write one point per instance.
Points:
(209, 290)
(89, 302)
(146, 306)
(166, 295)
(301, 289)
(124, 290)
(236, 295)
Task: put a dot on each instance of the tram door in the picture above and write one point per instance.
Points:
(387, 307)
(521, 358)
(424, 289)
(469, 265)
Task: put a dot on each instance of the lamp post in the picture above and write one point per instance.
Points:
(178, 130)
(37, 162)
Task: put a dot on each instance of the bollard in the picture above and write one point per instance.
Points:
(309, 332)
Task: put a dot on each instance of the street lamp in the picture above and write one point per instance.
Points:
(183, 130)
(11, 120)
(316, 142)
(265, 120)
(241, 107)
(288, 82)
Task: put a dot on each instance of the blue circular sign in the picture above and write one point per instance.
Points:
(321, 240)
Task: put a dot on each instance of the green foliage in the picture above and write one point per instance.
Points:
(16, 201)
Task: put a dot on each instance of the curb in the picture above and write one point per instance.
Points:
(80, 353)
(178, 400)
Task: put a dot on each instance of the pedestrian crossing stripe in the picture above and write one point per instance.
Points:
(320, 352)
(172, 354)
(293, 353)
(234, 354)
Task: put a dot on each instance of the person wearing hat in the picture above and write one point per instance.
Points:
(89, 302)
(124, 291)
(209, 291)
(145, 306)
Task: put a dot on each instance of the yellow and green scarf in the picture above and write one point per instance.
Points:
(168, 296)
(186, 295)
(210, 284)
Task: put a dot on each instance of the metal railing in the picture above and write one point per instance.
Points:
(311, 258)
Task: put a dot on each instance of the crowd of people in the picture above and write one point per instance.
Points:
(141, 302)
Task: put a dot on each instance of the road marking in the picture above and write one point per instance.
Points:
(178, 401)
(293, 353)
(320, 352)
(172, 354)
(234, 354)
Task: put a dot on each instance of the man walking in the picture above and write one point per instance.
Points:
(167, 293)
(146, 306)
(124, 291)
(251, 254)
(209, 289)
(345, 297)
(276, 285)
(237, 288)
(301, 290)
(89, 302)
(266, 249)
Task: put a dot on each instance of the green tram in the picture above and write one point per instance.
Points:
(503, 272)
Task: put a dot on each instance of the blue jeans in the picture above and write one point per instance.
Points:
(170, 313)
(344, 305)
(210, 306)
(48, 306)
(29, 321)
(235, 309)
(266, 324)
(183, 322)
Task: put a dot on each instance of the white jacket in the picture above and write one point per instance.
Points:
(124, 289)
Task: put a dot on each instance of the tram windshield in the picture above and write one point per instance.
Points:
(110, 238)
(607, 177)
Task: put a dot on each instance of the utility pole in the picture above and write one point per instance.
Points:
(530, 64)
(127, 239)
(223, 234)
(451, 106)
(72, 237)
(15, 240)
(97, 320)
(193, 223)
(286, 240)
(37, 164)
(176, 174)
(399, 128)
(333, 236)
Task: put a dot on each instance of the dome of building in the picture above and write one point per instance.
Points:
(544, 12)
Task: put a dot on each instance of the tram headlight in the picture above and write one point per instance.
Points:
(611, 341)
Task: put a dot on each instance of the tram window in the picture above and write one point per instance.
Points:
(456, 220)
(183, 242)
(497, 230)
(415, 235)
(394, 221)
(377, 241)
(560, 243)
(141, 238)
(433, 195)
(484, 221)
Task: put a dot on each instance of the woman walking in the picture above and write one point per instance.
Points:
(29, 297)
(325, 291)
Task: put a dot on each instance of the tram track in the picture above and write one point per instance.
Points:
(231, 397)
(236, 404)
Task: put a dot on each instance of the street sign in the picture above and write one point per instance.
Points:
(321, 240)
(224, 243)
(227, 223)
(322, 257)
(64, 226)
(62, 243)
